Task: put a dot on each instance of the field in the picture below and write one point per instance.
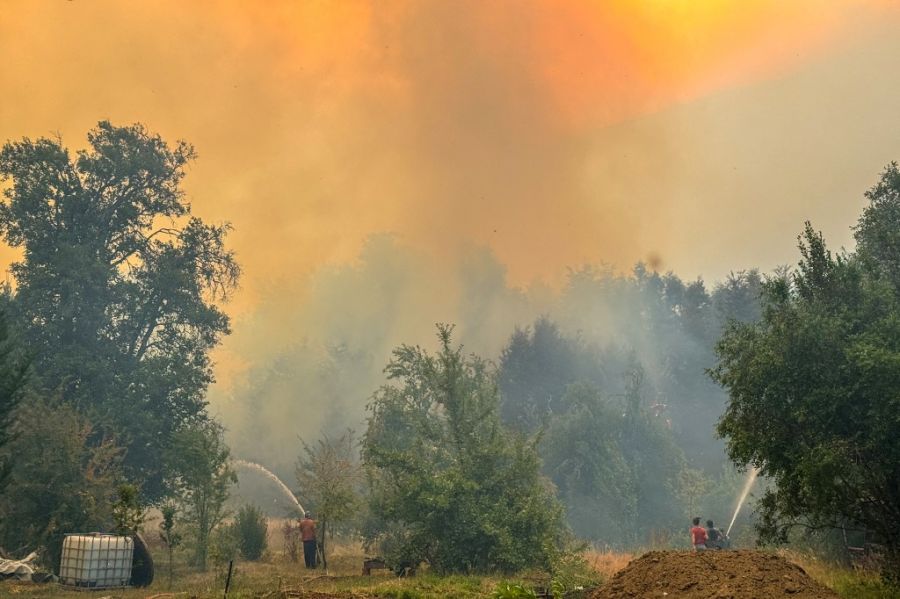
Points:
(276, 577)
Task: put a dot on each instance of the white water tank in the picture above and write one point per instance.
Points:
(96, 560)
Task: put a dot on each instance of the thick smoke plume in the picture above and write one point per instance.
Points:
(696, 136)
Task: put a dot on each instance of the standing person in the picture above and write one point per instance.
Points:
(308, 536)
(698, 536)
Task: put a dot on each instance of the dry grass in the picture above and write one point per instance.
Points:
(277, 576)
(607, 563)
(852, 583)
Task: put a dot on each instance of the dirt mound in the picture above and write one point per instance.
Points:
(714, 575)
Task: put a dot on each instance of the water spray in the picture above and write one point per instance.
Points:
(748, 484)
(271, 476)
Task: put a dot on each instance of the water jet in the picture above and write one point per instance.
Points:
(271, 476)
(748, 484)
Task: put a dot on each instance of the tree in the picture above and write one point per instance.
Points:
(168, 534)
(453, 487)
(878, 231)
(329, 476)
(117, 289)
(616, 467)
(13, 379)
(127, 513)
(62, 480)
(536, 366)
(815, 390)
(737, 297)
(200, 478)
(583, 457)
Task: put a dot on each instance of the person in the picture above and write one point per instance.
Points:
(308, 536)
(698, 536)
(715, 538)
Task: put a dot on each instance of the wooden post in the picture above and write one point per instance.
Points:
(228, 579)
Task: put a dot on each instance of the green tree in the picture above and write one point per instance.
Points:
(815, 389)
(454, 488)
(169, 534)
(127, 512)
(62, 481)
(118, 285)
(200, 476)
(536, 366)
(616, 466)
(737, 297)
(878, 230)
(583, 457)
(330, 476)
(13, 381)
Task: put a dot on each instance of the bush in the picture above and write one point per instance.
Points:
(62, 480)
(251, 531)
(224, 546)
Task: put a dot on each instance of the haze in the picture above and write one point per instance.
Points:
(388, 165)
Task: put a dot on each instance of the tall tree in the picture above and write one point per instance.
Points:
(13, 377)
(118, 287)
(536, 366)
(815, 389)
(878, 231)
(453, 487)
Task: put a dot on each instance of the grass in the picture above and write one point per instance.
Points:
(276, 577)
(847, 582)
(607, 563)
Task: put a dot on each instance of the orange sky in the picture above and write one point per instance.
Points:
(554, 132)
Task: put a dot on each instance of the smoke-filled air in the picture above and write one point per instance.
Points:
(555, 295)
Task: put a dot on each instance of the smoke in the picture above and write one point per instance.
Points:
(340, 337)
(497, 145)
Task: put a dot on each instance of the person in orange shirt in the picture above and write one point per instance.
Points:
(698, 536)
(308, 536)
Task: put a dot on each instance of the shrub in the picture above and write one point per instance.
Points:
(251, 532)
(290, 530)
(224, 547)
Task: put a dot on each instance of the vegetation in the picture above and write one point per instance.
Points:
(280, 576)
(330, 477)
(127, 512)
(650, 321)
(615, 465)
(13, 373)
(116, 291)
(814, 385)
(630, 451)
(450, 485)
(199, 478)
(170, 537)
(63, 480)
(464, 467)
(251, 530)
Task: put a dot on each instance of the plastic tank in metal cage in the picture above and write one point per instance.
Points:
(96, 560)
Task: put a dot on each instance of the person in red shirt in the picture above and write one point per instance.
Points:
(308, 536)
(698, 536)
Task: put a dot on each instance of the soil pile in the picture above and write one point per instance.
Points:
(714, 575)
